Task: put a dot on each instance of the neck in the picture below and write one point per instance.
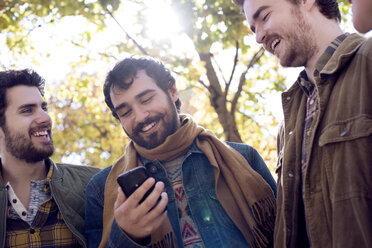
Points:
(328, 31)
(18, 172)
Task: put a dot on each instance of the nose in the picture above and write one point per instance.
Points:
(141, 114)
(260, 35)
(43, 117)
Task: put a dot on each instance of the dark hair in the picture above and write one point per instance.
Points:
(329, 8)
(11, 78)
(128, 68)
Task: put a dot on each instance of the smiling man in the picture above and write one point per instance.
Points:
(42, 203)
(213, 194)
(325, 143)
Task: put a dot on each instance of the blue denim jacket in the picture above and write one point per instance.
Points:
(215, 227)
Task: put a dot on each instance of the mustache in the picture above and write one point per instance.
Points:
(149, 120)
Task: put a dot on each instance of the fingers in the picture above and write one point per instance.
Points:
(154, 199)
(139, 220)
(120, 198)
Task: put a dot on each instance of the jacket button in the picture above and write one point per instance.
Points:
(290, 133)
(32, 231)
(343, 132)
(288, 98)
(290, 174)
(153, 169)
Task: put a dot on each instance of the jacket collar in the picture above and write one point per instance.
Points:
(342, 55)
(339, 59)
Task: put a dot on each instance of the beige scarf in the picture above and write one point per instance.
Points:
(243, 193)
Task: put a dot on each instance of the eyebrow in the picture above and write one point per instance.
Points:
(123, 105)
(29, 105)
(257, 14)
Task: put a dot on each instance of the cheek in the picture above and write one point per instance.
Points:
(125, 125)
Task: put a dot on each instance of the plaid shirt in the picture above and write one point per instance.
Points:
(312, 108)
(47, 229)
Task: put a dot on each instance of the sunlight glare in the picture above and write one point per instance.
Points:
(162, 20)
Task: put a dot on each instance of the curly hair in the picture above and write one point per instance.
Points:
(128, 68)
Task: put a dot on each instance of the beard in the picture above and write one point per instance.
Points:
(301, 44)
(21, 146)
(156, 138)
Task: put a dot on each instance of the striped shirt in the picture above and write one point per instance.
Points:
(42, 224)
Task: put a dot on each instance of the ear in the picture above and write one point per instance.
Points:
(173, 93)
(309, 4)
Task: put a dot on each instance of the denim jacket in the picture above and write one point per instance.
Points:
(214, 225)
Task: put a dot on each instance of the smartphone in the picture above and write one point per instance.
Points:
(130, 180)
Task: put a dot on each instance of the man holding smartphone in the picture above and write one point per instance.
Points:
(213, 194)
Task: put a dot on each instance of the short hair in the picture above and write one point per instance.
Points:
(329, 8)
(11, 78)
(128, 68)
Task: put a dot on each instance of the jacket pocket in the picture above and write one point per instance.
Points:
(346, 130)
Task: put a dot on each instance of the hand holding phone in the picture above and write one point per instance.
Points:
(130, 180)
(134, 218)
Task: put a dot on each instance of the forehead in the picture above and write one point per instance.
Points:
(141, 83)
(251, 7)
(22, 94)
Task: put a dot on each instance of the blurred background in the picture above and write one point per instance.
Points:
(226, 81)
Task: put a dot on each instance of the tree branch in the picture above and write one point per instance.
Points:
(253, 61)
(121, 27)
(234, 66)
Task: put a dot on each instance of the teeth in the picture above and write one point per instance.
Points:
(274, 43)
(42, 133)
(148, 127)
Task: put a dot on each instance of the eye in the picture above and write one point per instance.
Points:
(146, 100)
(126, 113)
(266, 16)
(26, 110)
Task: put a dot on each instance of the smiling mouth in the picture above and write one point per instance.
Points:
(40, 132)
(274, 44)
(148, 127)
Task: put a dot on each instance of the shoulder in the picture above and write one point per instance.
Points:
(99, 179)
(77, 169)
(250, 154)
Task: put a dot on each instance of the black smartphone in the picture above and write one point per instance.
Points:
(130, 180)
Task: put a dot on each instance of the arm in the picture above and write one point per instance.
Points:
(256, 162)
(93, 215)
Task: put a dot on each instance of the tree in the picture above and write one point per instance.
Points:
(222, 71)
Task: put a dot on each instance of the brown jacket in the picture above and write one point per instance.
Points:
(338, 179)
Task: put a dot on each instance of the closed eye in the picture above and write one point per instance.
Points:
(125, 113)
(265, 17)
(146, 100)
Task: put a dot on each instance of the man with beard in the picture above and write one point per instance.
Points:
(213, 194)
(42, 203)
(325, 142)
(362, 15)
